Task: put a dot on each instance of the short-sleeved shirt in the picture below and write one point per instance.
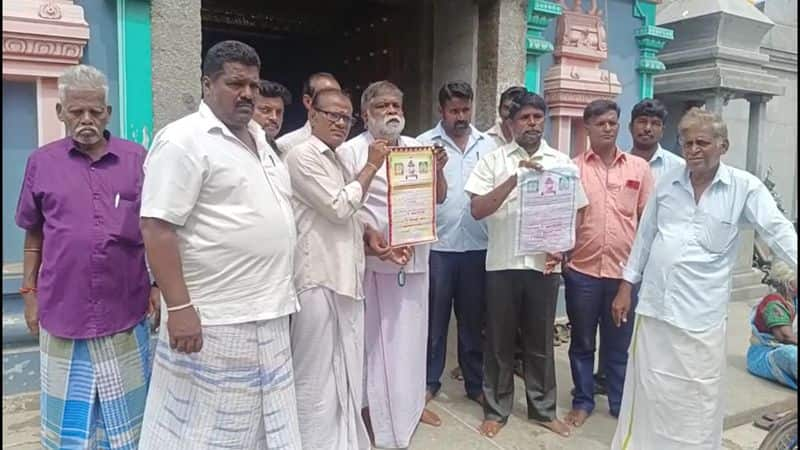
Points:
(664, 161)
(353, 157)
(232, 213)
(330, 243)
(493, 170)
(93, 280)
(457, 230)
(496, 133)
(607, 227)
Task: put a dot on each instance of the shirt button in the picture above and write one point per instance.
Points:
(91, 168)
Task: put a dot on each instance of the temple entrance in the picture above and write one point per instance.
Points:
(359, 41)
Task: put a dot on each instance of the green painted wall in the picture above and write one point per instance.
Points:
(135, 111)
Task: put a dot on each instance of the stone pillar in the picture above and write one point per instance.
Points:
(755, 132)
(455, 45)
(501, 33)
(50, 127)
(540, 13)
(176, 59)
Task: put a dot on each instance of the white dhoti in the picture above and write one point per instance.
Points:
(396, 337)
(328, 354)
(672, 398)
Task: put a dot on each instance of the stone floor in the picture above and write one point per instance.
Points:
(747, 398)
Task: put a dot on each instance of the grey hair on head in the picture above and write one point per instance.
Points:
(378, 88)
(84, 78)
(697, 117)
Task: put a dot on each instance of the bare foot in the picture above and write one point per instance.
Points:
(576, 417)
(490, 428)
(456, 374)
(428, 396)
(430, 418)
(556, 426)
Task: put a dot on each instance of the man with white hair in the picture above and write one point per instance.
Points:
(683, 255)
(85, 285)
(396, 310)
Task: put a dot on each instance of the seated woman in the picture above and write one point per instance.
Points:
(773, 346)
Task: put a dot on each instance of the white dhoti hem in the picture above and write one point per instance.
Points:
(328, 354)
(396, 340)
(672, 398)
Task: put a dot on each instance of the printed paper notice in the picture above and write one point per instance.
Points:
(411, 177)
(546, 210)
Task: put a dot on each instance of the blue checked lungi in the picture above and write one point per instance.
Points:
(237, 392)
(94, 390)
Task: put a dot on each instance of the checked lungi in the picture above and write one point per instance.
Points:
(236, 393)
(94, 390)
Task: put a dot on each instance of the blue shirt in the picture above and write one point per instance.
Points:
(457, 230)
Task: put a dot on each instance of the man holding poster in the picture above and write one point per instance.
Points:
(524, 287)
(396, 298)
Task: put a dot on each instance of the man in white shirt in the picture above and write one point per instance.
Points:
(683, 255)
(458, 258)
(220, 238)
(501, 132)
(647, 129)
(396, 309)
(315, 83)
(328, 332)
(524, 289)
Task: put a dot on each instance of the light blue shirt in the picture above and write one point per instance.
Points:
(684, 252)
(664, 161)
(456, 229)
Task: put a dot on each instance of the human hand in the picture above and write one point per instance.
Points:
(620, 307)
(185, 333)
(552, 261)
(528, 164)
(31, 312)
(154, 308)
(441, 158)
(377, 152)
(400, 255)
(376, 243)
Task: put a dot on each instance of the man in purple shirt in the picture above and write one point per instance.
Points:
(85, 279)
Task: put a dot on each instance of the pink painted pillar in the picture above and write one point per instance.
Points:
(561, 133)
(50, 127)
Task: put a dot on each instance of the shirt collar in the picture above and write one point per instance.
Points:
(211, 121)
(318, 145)
(658, 155)
(474, 135)
(110, 147)
(621, 156)
(723, 176)
(544, 148)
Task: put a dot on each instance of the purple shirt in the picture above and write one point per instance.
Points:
(93, 280)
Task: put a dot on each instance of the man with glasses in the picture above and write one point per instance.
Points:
(328, 332)
(396, 316)
(315, 83)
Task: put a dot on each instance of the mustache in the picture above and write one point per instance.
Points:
(245, 103)
(461, 124)
(87, 128)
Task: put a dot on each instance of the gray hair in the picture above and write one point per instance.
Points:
(379, 88)
(780, 275)
(701, 117)
(82, 77)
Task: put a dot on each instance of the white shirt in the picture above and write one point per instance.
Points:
(232, 214)
(492, 171)
(286, 142)
(456, 229)
(664, 161)
(496, 133)
(353, 156)
(330, 244)
(687, 251)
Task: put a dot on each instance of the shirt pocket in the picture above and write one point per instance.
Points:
(125, 226)
(628, 199)
(715, 235)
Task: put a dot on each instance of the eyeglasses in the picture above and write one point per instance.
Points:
(335, 117)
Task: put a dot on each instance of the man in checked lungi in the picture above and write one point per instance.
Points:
(220, 237)
(85, 283)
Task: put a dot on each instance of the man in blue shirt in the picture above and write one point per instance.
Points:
(458, 259)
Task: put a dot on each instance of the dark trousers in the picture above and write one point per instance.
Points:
(458, 282)
(589, 307)
(524, 300)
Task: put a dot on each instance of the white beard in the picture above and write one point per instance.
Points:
(388, 128)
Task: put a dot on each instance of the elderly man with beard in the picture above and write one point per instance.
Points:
(85, 283)
(458, 258)
(396, 319)
(524, 288)
(328, 332)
